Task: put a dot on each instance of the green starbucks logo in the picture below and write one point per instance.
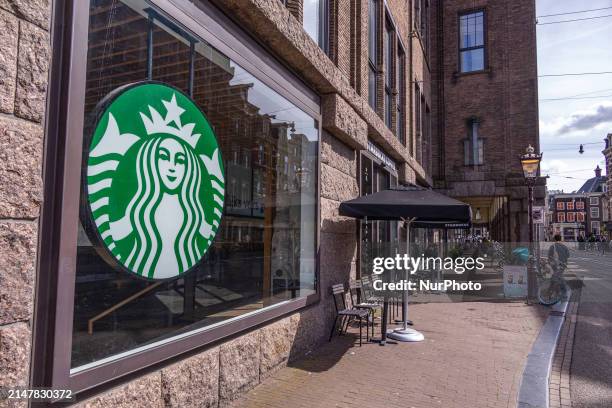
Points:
(154, 186)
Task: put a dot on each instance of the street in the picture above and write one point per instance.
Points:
(591, 368)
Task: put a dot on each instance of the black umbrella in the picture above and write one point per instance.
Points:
(418, 207)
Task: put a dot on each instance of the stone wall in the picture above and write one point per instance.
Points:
(24, 60)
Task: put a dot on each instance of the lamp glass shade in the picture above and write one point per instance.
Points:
(530, 167)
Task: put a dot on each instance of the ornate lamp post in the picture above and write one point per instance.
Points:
(530, 162)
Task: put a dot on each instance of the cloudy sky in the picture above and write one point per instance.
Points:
(574, 47)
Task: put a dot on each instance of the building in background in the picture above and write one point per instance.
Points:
(608, 160)
(569, 215)
(595, 190)
(485, 110)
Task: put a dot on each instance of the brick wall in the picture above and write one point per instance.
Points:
(503, 97)
(24, 59)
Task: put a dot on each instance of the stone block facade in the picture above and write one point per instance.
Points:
(24, 61)
(217, 375)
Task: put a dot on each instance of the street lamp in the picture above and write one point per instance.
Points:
(531, 165)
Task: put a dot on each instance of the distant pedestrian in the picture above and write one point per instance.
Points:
(558, 254)
(604, 245)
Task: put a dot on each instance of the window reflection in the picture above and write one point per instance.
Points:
(264, 252)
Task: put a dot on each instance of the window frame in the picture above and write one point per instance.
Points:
(593, 200)
(594, 212)
(485, 41)
(571, 217)
(560, 205)
(56, 267)
(323, 34)
(580, 217)
(390, 59)
(580, 205)
(561, 217)
(570, 205)
(373, 59)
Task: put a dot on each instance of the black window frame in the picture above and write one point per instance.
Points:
(55, 272)
(390, 58)
(373, 44)
(401, 94)
(484, 45)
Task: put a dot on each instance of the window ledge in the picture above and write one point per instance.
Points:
(457, 75)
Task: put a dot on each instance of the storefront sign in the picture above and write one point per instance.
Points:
(154, 186)
(379, 154)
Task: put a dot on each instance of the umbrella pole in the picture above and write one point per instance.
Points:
(406, 334)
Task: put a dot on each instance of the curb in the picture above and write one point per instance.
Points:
(533, 389)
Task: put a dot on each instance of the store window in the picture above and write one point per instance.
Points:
(378, 238)
(316, 21)
(198, 207)
(472, 53)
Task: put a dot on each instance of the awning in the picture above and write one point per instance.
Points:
(427, 207)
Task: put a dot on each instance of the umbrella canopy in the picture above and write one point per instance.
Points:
(427, 206)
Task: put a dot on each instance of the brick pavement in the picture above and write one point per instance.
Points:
(473, 356)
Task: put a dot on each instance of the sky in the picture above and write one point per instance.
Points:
(574, 47)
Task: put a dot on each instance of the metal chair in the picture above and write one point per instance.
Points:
(359, 301)
(345, 313)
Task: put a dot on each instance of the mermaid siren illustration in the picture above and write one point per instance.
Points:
(163, 226)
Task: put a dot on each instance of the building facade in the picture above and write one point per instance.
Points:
(236, 128)
(570, 216)
(608, 160)
(486, 109)
(596, 189)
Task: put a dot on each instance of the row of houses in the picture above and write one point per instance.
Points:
(587, 211)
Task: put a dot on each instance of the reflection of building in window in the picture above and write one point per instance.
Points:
(560, 217)
(560, 205)
(264, 251)
(570, 205)
(580, 217)
(373, 24)
(595, 227)
(473, 146)
(594, 212)
(594, 201)
(580, 205)
(571, 217)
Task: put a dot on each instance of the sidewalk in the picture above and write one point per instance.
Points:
(472, 356)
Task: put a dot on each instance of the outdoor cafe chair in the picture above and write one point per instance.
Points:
(358, 300)
(370, 296)
(343, 312)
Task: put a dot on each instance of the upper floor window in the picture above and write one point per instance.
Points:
(580, 217)
(472, 41)
(560, 205)
(473, 146)
(570, 205)
(401, 94)
(425, 25)
(580, 205)
(571, 217)
(594, 201)
(372, 51)
(316, 22)
(595, 212)
(389, 34)
(560, 217)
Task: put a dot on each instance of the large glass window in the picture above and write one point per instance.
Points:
(264, 251)
(472, 41)
(401, 94)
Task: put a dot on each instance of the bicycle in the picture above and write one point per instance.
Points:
(552, 288)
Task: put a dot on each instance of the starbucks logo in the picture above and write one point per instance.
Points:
(154, 185)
